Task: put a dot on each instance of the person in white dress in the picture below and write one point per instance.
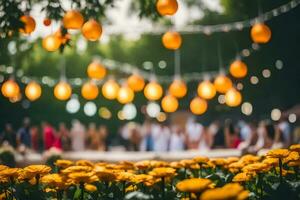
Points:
(77, 135)
(177, 139)
(161, 136)
(194, 131)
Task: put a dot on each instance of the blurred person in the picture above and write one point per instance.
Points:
(147, 142)
(103, 133)
(285, 128)
(206, 140)
(77, 135)
(245, 130)
(35, 138)
(93, 137)
(232, 139)
(64, 137)
(49, 135)
(9, 136)
(217, 133)
(24, 135)
(134, 139)
(194, 133)
(177, 139)
(161, 137)
(296, 135)
(252, 137)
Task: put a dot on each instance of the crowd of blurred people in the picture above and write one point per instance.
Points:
(249, 137)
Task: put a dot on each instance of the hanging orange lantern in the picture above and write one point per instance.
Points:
(33, 91)
(110, 89)
(47, 22)
(125, 95)
(198, 106)
(62, 91)
(73, 19)
(89, 91)
(167, 7)
(51, 43)
(206, 90)
(238, 69)
(172, 40)
(260, 33)
(136, 82)
(29, 24)
(153, 91)
(169, 104)
(233, 97)
(96, 70)
(222, 83)
(178, 88)
(91, 30)
(10, 89)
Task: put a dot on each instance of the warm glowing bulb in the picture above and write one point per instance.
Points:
(33, 91)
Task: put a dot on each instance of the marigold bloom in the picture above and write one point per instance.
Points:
(193, 185)
(162, 172)
(63, 163)
(278, 153)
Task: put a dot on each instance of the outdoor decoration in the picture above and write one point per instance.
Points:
(169, 104)
(125, 95)
(198, 106)
(206, 90)
(10, 89)
(260, 33)
(238, 69)
(89, 90)
(110, 89)
(91, 30)
(62, 91)
(33, 91)
(153, 91)
(136, 82)
(222, 83)
(172, 40)
(73, 19)
(51, 43)
(47, 22)
(178, 88)
(233, 98)
(29, 24)
(96, 70)
(167, 7)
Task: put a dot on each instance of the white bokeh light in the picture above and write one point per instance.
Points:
(292, 118)
(221, 98)
(90, 109)
(129, 111)
(247, 108)
(254, 80)
(275, 114)
(153, 109)
(73, 106)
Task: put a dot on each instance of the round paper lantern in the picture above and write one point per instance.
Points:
(89, 91)
(206, 90)
(29, 24)
(169, 104)
(125, 95)
(222, 83)
(51, 43)
(198, 106)
(91, 30)
(260, 33)
(167, 7)
(110, 89)
(153, 91)
(47, 22)
(238, 69)
(62, 91)
(233, 97)
(73, 20)
(136, 82)
(172, 40)
(10, 89)
(178, 88)
(33, 91)
(96, 70)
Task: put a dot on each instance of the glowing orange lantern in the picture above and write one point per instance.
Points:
(73, 20)
(110, 89)
(172, 40)
(62, 91)
(89, 90)
(51, 43)
(198, 106)
(153, 91)
(33, 91)
(96, 70)
(29, 24)
(238, 69)
(261, 33)
(91, 30)
(222, 83)
(167, 7)
(169, 104)
(136, 82)
(47, 22)
(178, 88)
(125, 95)
(233, 97)
(206, 90)
(10, 89)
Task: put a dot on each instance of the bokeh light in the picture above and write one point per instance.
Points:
(153, 109)
(275, 114)
(247, 108)
(90, 108)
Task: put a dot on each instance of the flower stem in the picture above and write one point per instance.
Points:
(163, 187)
(280, 169)
(82, 190)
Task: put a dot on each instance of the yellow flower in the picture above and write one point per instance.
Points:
(49, 190)
(242, 177)
(126, 165)
(105, 174)
(293, 156)
(294, 164)
(10, 173)
(278, 153)
(162, 172)
(247, 159)
(295, 147)
(158, 163)
(90, 187)
(176, 165)
(236, 165)
(219, 161)
(228, 192)
(2, 167)
(85, 163)
(141, 178)
(187, 163)
(131, 188)
(81, 177)
(230, 160)
(142, 165)
(243, 195)
(124, 176)
(201, 159)
(193, 185)
(271, 162)
(255, 167)
(53, 180)
(72, 169)
(34, 170)
(63, 163)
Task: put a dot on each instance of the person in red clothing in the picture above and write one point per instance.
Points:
(49, 136)
(232, 138)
